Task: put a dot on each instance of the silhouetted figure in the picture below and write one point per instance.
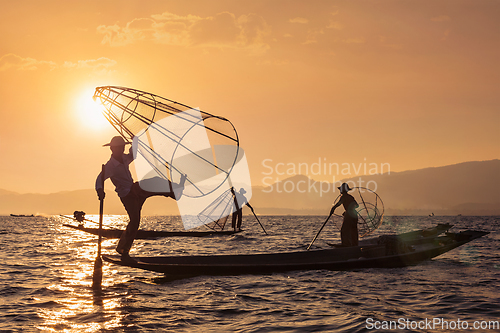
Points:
(239, 201)
(130, 193)
(79, 216)
(349, 230)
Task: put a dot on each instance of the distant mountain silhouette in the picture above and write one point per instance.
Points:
(5, 192)
(86, 200)
(470, 188)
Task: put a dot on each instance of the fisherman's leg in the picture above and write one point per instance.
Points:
(233, 220)
(133, 207)
(344, 232)
(175, 192)
(354, 234)
(128, 236)
(143, 194)
(347, 240)
(348, 232)
(240, 217)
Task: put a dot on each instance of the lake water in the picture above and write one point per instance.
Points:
(46, 275)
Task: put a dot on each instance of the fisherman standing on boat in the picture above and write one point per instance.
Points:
(130, 193)
(239, 201)
(349, 230)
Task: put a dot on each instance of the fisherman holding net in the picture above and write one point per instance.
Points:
(349, 230)
(130, 193)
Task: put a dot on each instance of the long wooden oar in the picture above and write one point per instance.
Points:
(97, 277)
(257, 219)
(319, 231)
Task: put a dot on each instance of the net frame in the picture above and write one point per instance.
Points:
(370, 215)
(127, 102)
(226, 200)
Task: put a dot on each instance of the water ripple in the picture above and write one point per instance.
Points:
(45, 282)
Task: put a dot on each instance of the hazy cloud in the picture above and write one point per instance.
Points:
(223, 30)
(136, 30)
(312, 36)
(359, 40)
(300, 20)
(101, 65)
(16, 62)
(335, 25)
(166, 16)
(384, 40)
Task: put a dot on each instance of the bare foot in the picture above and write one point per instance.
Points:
(179, 188)
(126, 258)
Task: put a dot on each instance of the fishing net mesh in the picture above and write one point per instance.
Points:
(171, 142)
(172, 139)
(370, 211)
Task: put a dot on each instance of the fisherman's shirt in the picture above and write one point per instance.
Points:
(119, 173)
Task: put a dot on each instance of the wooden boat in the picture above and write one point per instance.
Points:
(146, 234)
(408, 237)
(382, 252)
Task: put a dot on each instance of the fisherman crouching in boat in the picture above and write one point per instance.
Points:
(349, 230)
(130, 193)
(79, 216)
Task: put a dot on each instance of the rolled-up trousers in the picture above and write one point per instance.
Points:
(133, 203)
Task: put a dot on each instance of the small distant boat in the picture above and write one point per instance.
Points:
(385, 251)
(15, 215)
(146, 234)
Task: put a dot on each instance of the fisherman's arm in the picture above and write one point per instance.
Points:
(99, 181)
(100, 191)
(128, 158)
(336, 205)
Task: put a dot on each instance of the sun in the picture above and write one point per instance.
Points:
(89, 112)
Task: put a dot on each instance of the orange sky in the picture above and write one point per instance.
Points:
(410, 83)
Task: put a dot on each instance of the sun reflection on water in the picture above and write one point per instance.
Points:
(80, 314)
(77, 308)
(47, 280)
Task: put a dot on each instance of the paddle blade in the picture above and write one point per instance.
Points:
(97, 276)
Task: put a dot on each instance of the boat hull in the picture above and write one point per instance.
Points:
(147, 234)
(349, 258)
